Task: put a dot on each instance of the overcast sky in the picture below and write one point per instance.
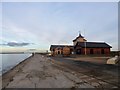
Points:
(59, 23)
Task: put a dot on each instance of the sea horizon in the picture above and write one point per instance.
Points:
(8, 50)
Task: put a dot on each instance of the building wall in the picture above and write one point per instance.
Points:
(67, 51)
(78, 40)
(62, 51)
(80, 50)
(96, 50)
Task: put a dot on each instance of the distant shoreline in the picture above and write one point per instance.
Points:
(22, 52)
(11, 52)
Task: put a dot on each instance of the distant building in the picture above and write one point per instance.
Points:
(61, 49)
(81, 47)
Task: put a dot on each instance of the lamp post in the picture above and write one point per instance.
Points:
(85, 47)
(85, 42)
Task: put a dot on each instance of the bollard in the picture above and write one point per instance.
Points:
(33, 54)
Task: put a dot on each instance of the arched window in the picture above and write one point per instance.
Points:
(58, 52)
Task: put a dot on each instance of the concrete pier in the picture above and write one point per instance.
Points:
(41, 72)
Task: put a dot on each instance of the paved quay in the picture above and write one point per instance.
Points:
(42, 72)
(0, 82)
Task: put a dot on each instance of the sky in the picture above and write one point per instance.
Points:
(44, 23)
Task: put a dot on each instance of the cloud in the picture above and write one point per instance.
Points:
(15, 44)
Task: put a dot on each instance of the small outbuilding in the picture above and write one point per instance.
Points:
(61, 50)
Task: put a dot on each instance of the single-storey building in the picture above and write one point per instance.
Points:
(92, 48)
(61, 50)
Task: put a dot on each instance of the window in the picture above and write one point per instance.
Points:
(61, 52)
(58, 52)
(102, 51)
(91, 51)
(78, 51)
(53, 49)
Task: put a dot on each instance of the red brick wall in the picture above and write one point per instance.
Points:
(96, 50)
(107, 50)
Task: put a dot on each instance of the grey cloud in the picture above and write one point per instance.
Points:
(14, 44)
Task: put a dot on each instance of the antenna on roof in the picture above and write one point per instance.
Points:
(79, 33)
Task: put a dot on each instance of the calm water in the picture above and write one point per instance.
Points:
(8, 61)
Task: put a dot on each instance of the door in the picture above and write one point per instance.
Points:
(58, 52)
(91, 51)
(78, 51)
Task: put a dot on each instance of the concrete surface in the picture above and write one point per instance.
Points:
(0, 82)
(39, 73)
(43, 72)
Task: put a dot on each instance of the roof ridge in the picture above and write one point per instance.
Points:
(97, 42)
(61, 45)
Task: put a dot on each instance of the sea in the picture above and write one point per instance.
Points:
(8, 61)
